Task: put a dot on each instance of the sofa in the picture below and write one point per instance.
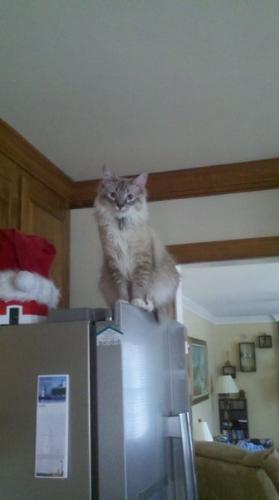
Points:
(226, 472)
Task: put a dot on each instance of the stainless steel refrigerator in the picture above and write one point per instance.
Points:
(126, 415)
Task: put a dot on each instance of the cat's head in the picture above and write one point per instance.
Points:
(121, 195)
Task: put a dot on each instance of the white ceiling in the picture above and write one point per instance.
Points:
(231, 291)
(142, 85)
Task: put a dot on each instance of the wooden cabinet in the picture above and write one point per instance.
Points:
(9, 193)
(34, 198)
(233, 418)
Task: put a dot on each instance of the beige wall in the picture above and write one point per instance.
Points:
(202, 329)
(86, 259)
(261, 387)
(196, 219)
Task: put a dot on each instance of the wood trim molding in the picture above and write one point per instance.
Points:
(84, 193)
(211, 251)
(174, 184)
(203, 181)
(18, 149)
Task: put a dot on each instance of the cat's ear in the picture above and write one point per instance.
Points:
(107, 174)
(141, 180)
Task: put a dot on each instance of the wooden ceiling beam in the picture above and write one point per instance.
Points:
(202, 181)
(173, 184)
(214, 251)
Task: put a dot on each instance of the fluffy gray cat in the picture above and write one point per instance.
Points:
(136, 267)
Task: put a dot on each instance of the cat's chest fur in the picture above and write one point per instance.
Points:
(123, 246)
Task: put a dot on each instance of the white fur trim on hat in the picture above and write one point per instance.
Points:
(23, 285)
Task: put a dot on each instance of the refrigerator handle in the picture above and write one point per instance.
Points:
(179, 426)
(188, 455)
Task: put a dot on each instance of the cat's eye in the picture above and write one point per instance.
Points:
(130, 197)
(112, 195)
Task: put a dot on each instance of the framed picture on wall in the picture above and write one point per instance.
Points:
(247, 356)
(198, 370)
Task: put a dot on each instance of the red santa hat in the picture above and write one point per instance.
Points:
(19, 251)
(25, 260)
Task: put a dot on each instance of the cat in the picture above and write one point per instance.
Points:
(136, 266)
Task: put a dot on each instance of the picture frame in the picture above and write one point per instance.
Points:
(265, 341)
(198, 370)
(247, 357)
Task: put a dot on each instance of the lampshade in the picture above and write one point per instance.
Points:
(201, 431)
(226, 385)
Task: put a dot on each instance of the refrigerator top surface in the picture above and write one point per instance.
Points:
(79, 314)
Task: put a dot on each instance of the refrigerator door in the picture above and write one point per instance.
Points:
(154, 388)
(27, 351)
(146, 402)
(111, 459)
(157, 467)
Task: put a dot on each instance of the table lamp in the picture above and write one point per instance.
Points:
(225, 384)
(201, 431)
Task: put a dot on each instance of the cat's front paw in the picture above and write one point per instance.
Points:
(144, 304)
(149, 305)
